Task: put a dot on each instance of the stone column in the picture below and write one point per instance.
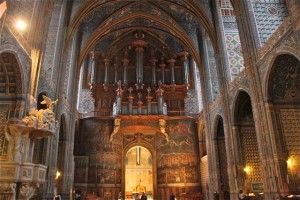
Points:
(264, 138)
(294, 11)
(172, 68)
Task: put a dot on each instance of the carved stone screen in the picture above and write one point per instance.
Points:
(290, 122)
(251, 155)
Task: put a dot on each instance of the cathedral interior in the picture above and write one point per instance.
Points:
(113, 99)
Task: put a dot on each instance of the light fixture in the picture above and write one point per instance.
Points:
(57, 175)
(292, 162)
(21, 25)
(247, 169)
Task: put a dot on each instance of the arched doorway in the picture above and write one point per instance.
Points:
(284, 103)
(222, 160)
(249, 167)
(139, 172)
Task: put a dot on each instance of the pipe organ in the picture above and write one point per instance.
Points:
(140, 80)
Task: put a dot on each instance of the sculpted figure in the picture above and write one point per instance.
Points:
(43, 118)
(117, 125)
(47, 101)
(162, 127)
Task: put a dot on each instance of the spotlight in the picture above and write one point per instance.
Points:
(57, 175)
(292, 162)
(21, 25)
(247, 169)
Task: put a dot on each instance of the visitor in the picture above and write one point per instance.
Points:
(216, 195)
(172, 196)
(120, 196)
(242, 195)
(143, 197)
(78, 195)
(57, 197)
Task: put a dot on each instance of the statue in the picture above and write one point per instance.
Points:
(162, 127)
(48, 102)
(117, 124)
(43, 118)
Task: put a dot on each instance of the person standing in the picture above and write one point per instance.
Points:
(241, 195)
(143, 197)
(172, 196)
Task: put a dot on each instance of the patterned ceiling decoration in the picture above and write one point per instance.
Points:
(269, 14)
(185, 14)
(285, 79)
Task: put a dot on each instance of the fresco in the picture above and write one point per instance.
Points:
(176, 159)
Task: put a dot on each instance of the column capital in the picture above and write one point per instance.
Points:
(139, 44)
(106, 61)
(153, 61)
(162, 65)
(171, 61)
(183, 55)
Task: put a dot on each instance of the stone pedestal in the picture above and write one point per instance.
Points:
(19, 177)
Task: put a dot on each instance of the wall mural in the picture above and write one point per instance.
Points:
(104, 158)
(99, 160)
(177, 160)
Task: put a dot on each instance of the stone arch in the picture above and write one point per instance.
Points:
(249, 164)
(283, 93)
(221, 158)
(10, 88)
(235, 100)
(270, 69)
(23, 61)
(193, 8)
(151, 149)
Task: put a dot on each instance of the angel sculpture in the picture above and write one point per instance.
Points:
(162, 127)
(47, 101)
